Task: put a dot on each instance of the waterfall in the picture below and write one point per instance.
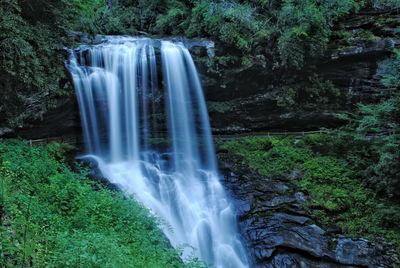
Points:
(145, 122)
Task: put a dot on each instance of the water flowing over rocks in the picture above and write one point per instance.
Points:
(118, 89)
(244, 100)
(279, 233)
(276, 229)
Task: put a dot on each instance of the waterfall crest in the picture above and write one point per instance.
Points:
(154, 141)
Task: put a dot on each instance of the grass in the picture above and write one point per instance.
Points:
(52, 216)
(268, 156)
(337, 195)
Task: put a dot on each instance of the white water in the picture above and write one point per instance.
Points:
(122, 111)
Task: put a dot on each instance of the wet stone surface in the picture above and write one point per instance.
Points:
(279, 233)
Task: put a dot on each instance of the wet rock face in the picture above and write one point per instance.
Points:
(245, 100)
(62, 122)
(249, 98)
(279, 233)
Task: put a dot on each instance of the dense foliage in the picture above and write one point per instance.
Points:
(31, 58)
(268, 34)
(51, 216)
(376, 129)
(284, 33)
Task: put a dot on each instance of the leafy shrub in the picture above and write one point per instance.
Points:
(389, 69)
(232, 22)
(306, 27)
(305, 32)
(53, 217)
(271, 157)
(172, 20)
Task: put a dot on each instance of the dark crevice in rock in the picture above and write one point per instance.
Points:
(300, 256)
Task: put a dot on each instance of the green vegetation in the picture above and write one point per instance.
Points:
(51, 216)
(379, 163)
(301, 29)
(352, 174)
(29, 43)
(308, 93)
(268, 156)
(54, 216)
(268, 34)
(339, 195)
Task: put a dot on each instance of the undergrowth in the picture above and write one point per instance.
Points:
(330, 176)
(52, 216)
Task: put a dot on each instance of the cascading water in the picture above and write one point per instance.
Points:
(122, 112)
